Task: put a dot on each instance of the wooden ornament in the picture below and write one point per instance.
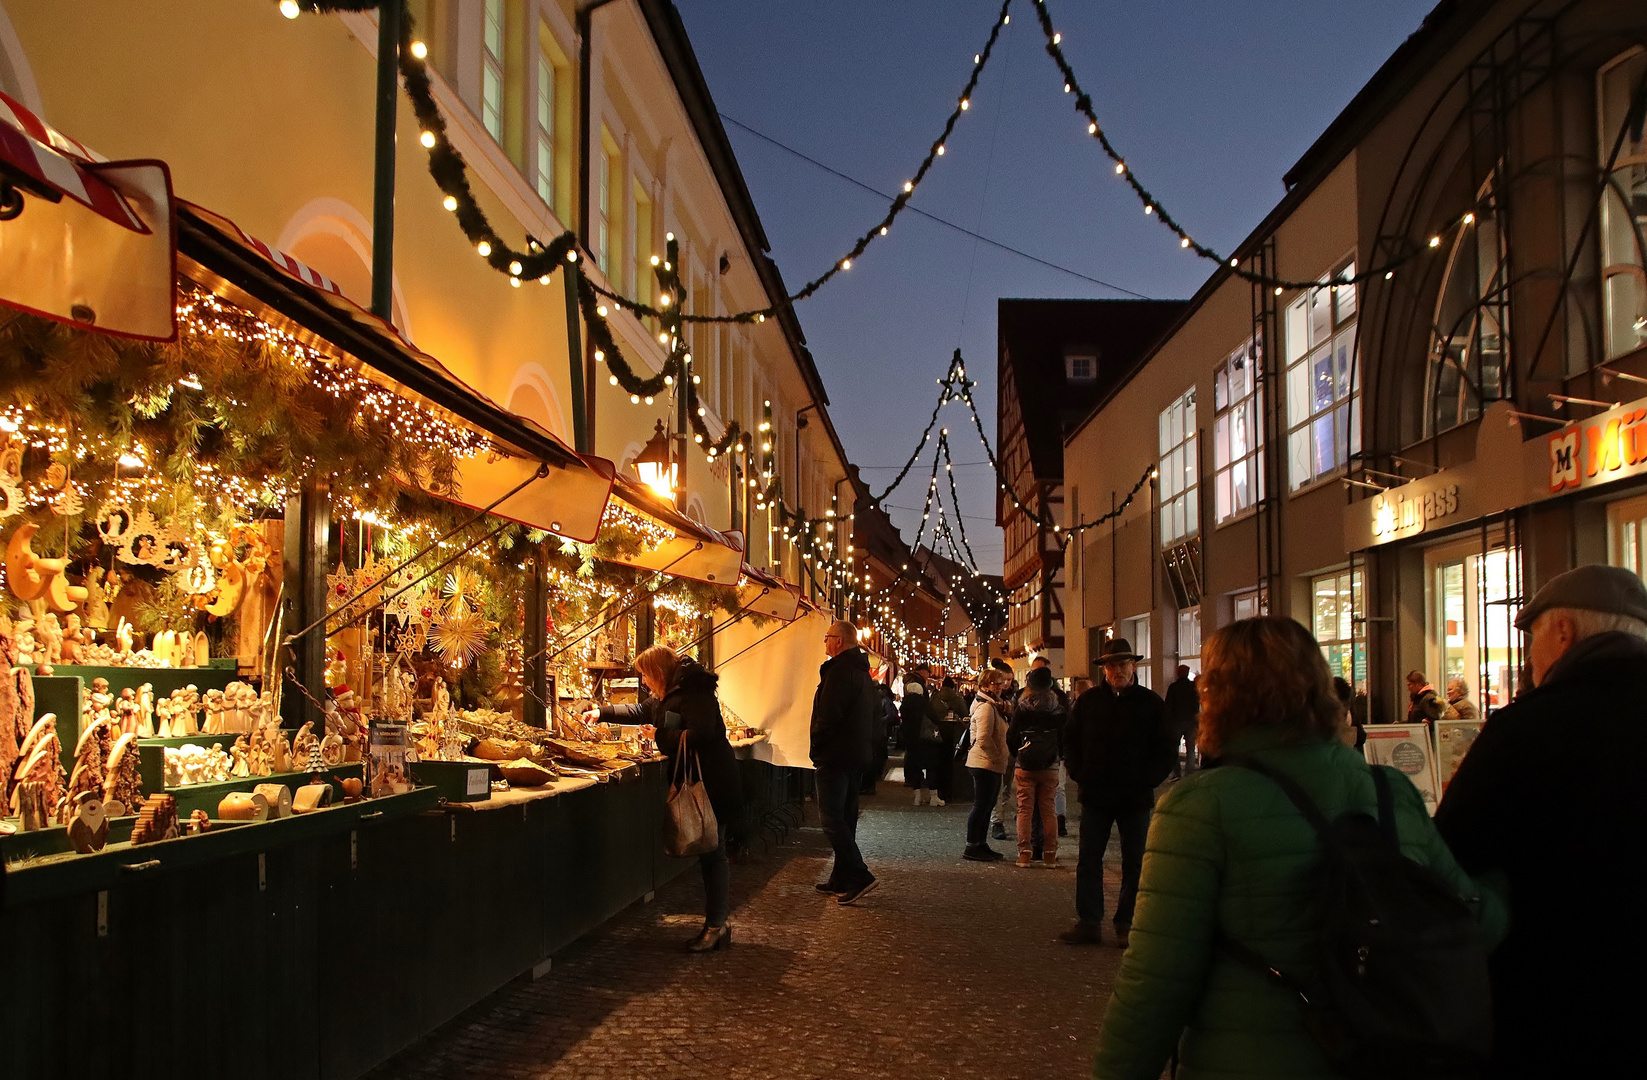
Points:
(279, 798)
(156, 821)
(89, 828)
(243, 806)
(312, 797)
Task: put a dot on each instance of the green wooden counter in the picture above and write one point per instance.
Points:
(315, 946)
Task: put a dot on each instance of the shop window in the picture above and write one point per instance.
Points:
(1335, 610)
(1179, 470)
(1627, 535)
(1624, 205)
(1238, 432)
(1136, 631)
(1469, 340)
(1473, 598)
(1323, 396)
(1189, 639)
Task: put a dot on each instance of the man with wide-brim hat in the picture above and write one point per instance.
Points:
(1548, 800)
(1119, 748)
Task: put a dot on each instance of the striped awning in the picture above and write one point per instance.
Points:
(43, 161)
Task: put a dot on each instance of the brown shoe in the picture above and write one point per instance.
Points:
(1122, 935)
(1081, 934)
(1023, 858)
(1051, 861)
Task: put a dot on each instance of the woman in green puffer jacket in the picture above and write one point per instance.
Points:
(1230, 857)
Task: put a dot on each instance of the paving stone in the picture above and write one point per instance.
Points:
(950, 970)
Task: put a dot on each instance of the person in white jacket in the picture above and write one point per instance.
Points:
(986, 761)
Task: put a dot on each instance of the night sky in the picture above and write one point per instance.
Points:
(1210, 102)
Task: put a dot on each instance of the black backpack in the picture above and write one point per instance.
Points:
(1399, 986)
(1040, 750)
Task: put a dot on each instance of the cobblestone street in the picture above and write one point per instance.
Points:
(949, 970)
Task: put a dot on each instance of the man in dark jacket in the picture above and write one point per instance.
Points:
(1548, 799)
(1119, 748)
(1184, 714)
(843, 719)
(1427, 705)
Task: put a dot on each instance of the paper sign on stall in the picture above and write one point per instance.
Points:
(1453, 739)
(1406, 747)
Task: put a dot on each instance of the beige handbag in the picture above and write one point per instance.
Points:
(689, 826)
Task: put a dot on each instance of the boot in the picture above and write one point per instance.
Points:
(920, 796)
(1081, 934)
(936, 801)
(712, 937)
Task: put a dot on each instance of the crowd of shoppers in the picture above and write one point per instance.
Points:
(1221, 907)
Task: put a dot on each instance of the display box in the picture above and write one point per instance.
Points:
(456, 781)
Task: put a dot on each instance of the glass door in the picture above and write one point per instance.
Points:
(1627, 535)
(1474, 595)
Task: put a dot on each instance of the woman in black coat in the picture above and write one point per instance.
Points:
(683, 702)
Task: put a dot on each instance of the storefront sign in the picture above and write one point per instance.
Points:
(1407, 511)
(1600, 449)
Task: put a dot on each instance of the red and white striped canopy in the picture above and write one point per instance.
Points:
(37, 155)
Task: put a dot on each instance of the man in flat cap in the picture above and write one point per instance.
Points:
(1549, 802)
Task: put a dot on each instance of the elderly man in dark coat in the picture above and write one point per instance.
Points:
(1549, 799)
(1119, 748)
(843, 720)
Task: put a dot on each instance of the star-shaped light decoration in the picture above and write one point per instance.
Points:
(462, 589)
(460, 635)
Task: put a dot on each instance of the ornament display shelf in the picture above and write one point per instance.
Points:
(54, 840)
(151, 766)
(64, 693)
(66, 874)
(205, 797)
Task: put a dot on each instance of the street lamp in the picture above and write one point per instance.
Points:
(655, 466)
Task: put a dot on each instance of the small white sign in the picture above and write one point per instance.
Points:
(1406, 747)
(477, 781)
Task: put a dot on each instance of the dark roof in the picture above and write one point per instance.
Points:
(1033, 337)
(669, 34)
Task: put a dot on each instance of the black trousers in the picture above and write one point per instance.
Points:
(838, 807)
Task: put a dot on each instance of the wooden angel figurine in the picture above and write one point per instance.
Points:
(49, 634)
(71, 639)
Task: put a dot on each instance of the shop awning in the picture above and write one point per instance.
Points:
(568, 500)
(764, 594)
(697, 551)
(84, 241)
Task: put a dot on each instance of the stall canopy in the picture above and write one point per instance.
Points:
(570, 492)
(696, 551)
(83, 240)
(763, 594)
(768, 678)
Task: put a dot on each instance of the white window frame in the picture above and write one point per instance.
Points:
(1179, 470)
(1081, 366)
(545, 156)
(1321, 332)
(1340, 630)
(1238, 433)
(1249, 603)
(1189, 638)
(493, 41)
(1624, 265)
(1137, 632)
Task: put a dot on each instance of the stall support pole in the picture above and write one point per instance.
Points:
(571, 283)
(308, 535)
(383, 197)
(534, 641)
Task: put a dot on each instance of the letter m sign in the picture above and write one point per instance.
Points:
(1564, 470)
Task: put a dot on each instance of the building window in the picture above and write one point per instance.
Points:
(1335, 606)
(1081, 367)
(608, 235)
(1189, 639)
(641, 254)
(491, 73)
(1627, 535)
(1136, 631)
(1323, 380)
(546, 123)
(1238, 432)
(1469, 340)
(1624, 205)
(1250, 604)
(1180, 507)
